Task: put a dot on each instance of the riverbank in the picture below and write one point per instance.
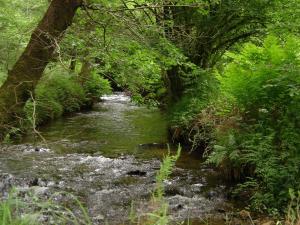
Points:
(59, 92)
(244, 120)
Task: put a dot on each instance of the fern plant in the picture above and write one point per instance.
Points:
(263, 83)
(158, 215)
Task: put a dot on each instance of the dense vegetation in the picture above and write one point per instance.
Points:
(257, 132)
(226, 71)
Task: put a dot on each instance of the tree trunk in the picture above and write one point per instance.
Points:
(73, 60)
(29, 68)
(85, 72)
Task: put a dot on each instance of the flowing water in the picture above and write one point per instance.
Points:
(109, 158)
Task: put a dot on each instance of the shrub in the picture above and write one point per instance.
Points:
(96, 86)
(57, 93)
(262, 91)
(188, 117)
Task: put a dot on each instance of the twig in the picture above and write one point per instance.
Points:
(34, 120)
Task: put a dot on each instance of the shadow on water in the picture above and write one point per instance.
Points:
(109, 156)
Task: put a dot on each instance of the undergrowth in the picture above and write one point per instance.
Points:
(14, 210)
(251, 127)
(59, 92)
(293, 211)
(186, 126)
(263, 83)
(9, 214)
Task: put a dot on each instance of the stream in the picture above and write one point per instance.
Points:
(109, 157)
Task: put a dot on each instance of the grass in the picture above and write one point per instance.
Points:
(293, 211)
(10, 212)
(14, 211)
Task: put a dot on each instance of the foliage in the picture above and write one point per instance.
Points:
(15, 210)
(10, 214)
(16, 22)
(293, 211)
(285, 18)
(263, 83)
(17, 18)
(200, 87)
(96, 86)
(191, 118)
(139, 68)
(2, 77)
(164, 173)
(134, 68)
(59, 92)
(206, 32)
(246, 107)
(159, 214)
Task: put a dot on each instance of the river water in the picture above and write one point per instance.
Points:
(109, 157)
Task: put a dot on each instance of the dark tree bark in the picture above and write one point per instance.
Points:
(29, 68)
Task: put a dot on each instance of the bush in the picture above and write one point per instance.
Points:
(96, 86)
(59, 92)
(262, 91)
(56, 94)
(248, 122)
(188, 117)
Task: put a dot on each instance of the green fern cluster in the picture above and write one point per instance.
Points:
(261, 89)
(245, 118)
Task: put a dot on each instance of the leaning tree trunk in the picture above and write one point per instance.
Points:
(29, 68)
